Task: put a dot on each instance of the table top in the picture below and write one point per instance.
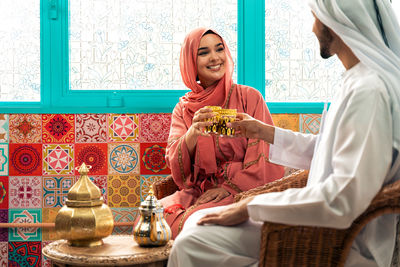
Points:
(117, 250)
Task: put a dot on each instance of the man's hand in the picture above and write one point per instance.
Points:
(213, 195)
(249, 127)
(234, 214)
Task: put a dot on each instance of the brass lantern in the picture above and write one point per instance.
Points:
(85, 220)
(152, 228)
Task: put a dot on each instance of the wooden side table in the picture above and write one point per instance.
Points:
(117, 250)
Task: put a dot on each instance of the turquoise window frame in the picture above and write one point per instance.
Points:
(56, 97)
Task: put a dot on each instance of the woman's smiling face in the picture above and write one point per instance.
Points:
(210, 60)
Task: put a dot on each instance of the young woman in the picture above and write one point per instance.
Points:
(208, 169)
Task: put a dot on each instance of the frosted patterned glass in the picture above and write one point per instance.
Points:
(295, 72)
(135, 44)
(20, 50)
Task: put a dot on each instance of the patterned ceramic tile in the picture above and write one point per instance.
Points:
(3, 159)
(153, 158)
(4, 191)
(287, 121)
(154, 127)
(310, 123)
(91, 128)
(4, 126)
(123, 191)
(45, 261)
(3, 231)
(124, 215)
(4, 254)
(58, 128)
(123, 127)
(124, 158)
(25, 192)
(94, 155)
(25, 254)
(145, 184)
(25, 216)
(49, 216)
(25, 128)
(25, 159)
(55, 190)
(58, 159)
(101, 182)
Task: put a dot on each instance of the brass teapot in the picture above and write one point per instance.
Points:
(152, 228)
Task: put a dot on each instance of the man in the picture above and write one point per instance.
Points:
(354, 155)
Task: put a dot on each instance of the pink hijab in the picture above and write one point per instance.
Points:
(199, 97)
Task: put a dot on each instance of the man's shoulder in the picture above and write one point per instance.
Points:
(368, 81)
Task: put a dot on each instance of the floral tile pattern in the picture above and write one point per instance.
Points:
(55, 190)
(58, 128)
(93, 154)
(153, 158)
(25, 128)
(123, 191)
(124, 215)
(3, 231)
(25, 253)
(3, 159)
(91, 128)
(123, 128)
(124, 158)
(25, 159)
(4, 126)
(25, 233)
(287, 121)
(4, 192)
(25, 192)
(310, 123)
(154, 127)
(145, 184)
(4, 254)
(58, 159)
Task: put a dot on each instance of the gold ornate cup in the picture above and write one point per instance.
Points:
(225, 116)
(85, 220)
(215, 120)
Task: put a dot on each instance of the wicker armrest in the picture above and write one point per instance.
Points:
(164, 187)
(293, 180)
(285, 245)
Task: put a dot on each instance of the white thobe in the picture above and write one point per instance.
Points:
(349, 161)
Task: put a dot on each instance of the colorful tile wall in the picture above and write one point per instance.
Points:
(39, 155)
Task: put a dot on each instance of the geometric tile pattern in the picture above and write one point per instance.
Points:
(154, 127)
(55, 190)
(123, 191)
(123, 127)
(25, 192)
(58, 159)
(124, 215)
(4, 129)
(153, 158)
(25, 128)
(58, 128)
(145, 184)
(286, 121)
(4, 192)
(25, 159)
(310, 123)
(4, 254)
(3, 231)
(93, 154)
(24, 253)
(91, 128)
(3, 159)
(124, 158)
(25, 233)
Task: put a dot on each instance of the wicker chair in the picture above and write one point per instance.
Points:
(286, 245)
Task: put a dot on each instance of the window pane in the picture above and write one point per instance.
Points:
(20, 50)
(295, 72)
(135, 44)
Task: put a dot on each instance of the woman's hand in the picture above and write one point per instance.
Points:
(197, 127)
(249, 127)
(213, 195)
(234, 214)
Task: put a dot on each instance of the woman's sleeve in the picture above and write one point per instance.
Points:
(256, 169)
(177, 154)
